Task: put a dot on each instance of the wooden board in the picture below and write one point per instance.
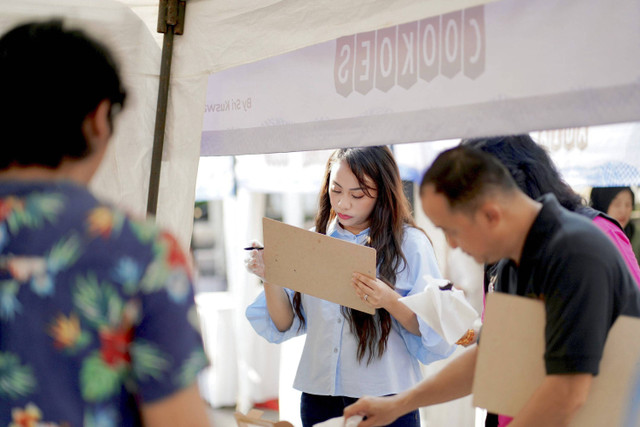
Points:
(254, 419)
(315, 264)
(510, 362)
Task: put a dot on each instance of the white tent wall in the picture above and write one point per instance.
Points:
(124, 175)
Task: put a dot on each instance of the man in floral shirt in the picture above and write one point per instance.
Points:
(97, 316)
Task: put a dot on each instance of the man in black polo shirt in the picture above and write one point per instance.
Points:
(553, 255)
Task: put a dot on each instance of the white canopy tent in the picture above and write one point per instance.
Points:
(545, 65)
(218, 35)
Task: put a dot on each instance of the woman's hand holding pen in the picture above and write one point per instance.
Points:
(254, 261)
(374, 292)
(278, 304)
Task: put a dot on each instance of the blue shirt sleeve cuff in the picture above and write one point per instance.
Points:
(426, 348)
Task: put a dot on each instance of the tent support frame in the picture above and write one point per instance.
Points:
(170, 22)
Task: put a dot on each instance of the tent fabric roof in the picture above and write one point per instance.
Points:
(220, 34)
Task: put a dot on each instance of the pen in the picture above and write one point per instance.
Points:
(257, 248)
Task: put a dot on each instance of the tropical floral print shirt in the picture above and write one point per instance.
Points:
(97, 310)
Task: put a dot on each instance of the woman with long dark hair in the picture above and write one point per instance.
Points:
(349, 353)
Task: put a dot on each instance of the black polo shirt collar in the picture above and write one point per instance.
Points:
(533, 251)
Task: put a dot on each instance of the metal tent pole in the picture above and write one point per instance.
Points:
(170, 22)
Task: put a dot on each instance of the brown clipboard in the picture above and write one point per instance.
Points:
(254, 418)
(315, 264)
(510, 363)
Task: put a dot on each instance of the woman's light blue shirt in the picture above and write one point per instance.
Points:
(329, 365)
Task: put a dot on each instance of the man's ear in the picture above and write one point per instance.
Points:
(96, 126)
(491, 213)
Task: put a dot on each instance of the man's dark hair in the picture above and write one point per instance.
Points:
(530, 166)
(50, 80)
(464, 175)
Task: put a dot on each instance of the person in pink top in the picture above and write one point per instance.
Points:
(618, 203)
(535, 173)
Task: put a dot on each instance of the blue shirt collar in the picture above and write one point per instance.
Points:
(334, 229)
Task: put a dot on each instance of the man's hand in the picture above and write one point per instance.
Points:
(452, 382)
(378, 411)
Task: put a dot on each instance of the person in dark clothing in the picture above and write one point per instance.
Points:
(535, 174)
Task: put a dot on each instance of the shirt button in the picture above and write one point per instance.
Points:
(339, 320)
(335, 350)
